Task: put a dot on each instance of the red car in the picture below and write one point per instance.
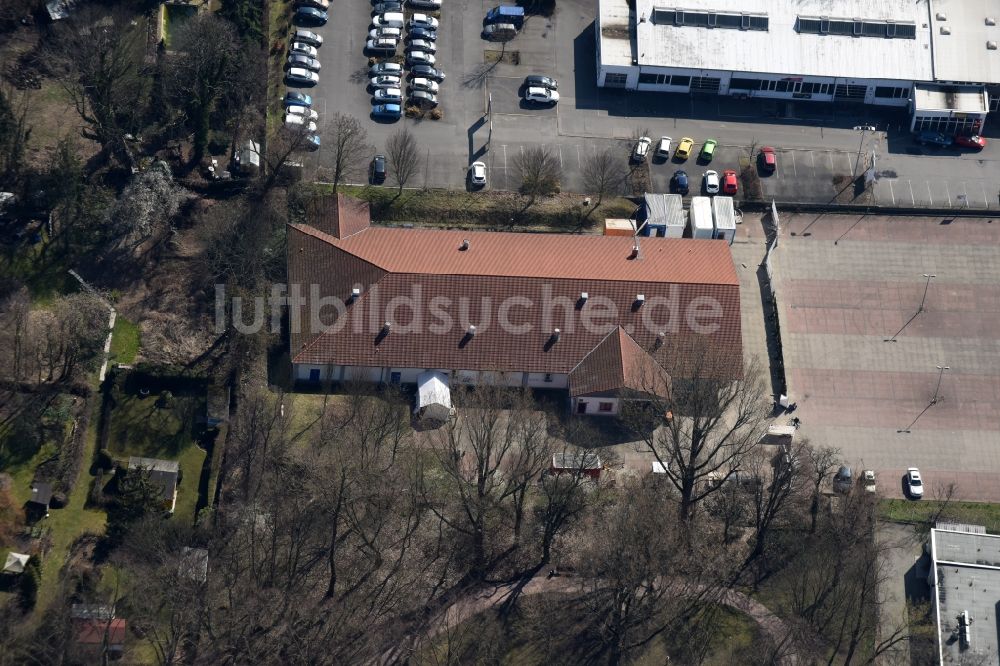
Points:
(729, 185)
(975, 141)
(768, 161)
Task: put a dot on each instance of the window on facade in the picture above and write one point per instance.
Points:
(680, 81)
(782, 86)
(605, 406)
(615, 80)
(548, 377)
(743, 84)
(647, 78)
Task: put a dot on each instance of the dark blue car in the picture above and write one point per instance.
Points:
(387, 111)
(934, 139)
(679, 183)
(293, 98)
(310, 16)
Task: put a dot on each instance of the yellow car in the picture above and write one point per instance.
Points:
(684, 148)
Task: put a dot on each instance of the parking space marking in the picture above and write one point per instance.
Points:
(929, 195)
(913, 200)
(794, 172)
(986, 200)
(559, 146)
(850, 164)
(948, 192)
(892, 194)
(829, 158)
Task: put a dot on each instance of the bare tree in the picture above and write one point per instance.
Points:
(14, 132)
(604, 173)
(822, 461)
(539, 171)
(146, 206)
(715, 419)
(404, 156)
(349, 142)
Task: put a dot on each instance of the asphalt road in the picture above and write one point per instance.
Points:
(818, 149)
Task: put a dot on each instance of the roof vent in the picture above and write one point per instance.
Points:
(471, 330)
(355, 293)
(945, 30)
(555, 333)
(634, 254)
(584, 296)
(990, 20)
(991, 46)
(386, 327)
(464, 246)
(941, 16)
(640, 299)
(658, 342)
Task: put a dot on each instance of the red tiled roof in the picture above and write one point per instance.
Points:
(427, 268)
(338, 215)
(618, 362)
(92, 632)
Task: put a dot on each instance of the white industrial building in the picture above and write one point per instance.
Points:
(938, 58)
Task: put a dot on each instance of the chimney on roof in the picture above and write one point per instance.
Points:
(635, 248)
(464, 246)
(386, 327)
(580, 302)
(640, 299)
(658, 342)
(555, 334)
(355, 293)
(471, 330)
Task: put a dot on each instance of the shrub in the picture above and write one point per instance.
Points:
(437, 114)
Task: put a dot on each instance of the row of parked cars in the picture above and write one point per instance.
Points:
(387, 78)
(302, 69)
(712, 183)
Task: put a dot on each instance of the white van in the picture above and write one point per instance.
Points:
(388, 20)
(293, 121)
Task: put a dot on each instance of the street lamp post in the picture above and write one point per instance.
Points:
(941, 369)
(863, 129)
(927, 284)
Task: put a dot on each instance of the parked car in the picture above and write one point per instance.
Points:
(679, 182)
(378, 169)
(427, 72)
(387, 111)
(423, 33)
(423, 21)
(422, 45)
(663, 147)
(975, 141)
(768, 160)
(424, 4)
(318, 4)
(293, 98)
(386, 81)
(423, 99)
(424, 84)
(387, 7)
(477, 174)
(708, 150)
(420, 58)
(301, 77)
(729, 183)
(868, 480)
(386, 33)
(641, 149)
(388, 95)
(383, 45)
(303, 111)
(307, 37)
(684, 148)
(843, 480)
(500, 32)
(391, 68)
(294, 121)
(540, 81)
(388, 20)
(934, 139)
(302, 48)
(541, 95)
(303, 61)
(311, 143)
(710, 180)
(310, 16)
(914, 483)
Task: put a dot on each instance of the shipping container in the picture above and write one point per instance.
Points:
(724, 216)
(702, 225)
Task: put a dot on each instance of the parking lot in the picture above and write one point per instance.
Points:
(817, 146)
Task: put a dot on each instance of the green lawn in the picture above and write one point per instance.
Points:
(174, 15)
(143, 426)
(922, 512)
(125, 342)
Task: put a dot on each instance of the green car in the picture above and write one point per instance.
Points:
(708, 150)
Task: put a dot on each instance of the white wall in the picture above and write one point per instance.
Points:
(557, 381)
(593, 406)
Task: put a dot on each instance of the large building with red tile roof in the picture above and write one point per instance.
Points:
(591, 314)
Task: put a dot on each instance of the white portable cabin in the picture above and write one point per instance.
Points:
(702, 225)
(433, 397)
(664, 215)
(724, 216)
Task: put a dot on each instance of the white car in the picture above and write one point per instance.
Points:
(386, 81)
(299, 75)
(388, 20)
(641, 149)
(386, 33)
(293, 121)
(543, 95)
(306, 113)
(477, 173)
(424, 84)
(422, 45)
(711, 179)
(391, 68)
(389, 95)
(914, 484)
(304, 49)
(420, 58)
(423, 21)
(307, 36)
(663, 147)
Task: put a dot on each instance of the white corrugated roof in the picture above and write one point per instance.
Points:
(962, 55)
(783, 50)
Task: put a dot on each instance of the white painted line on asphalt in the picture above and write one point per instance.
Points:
(913, 200)
(829, 158)
(850, 164)
(794, 172)
(986, 200)
(812, 161)
(579, 157)
(948, 191)
(559, 146)
(891, 192)
(506, 178)
(964, 196)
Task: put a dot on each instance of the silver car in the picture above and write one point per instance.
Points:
(305, 62)
(424, 84)
(422, 45)
(385, 81)
(388, 95)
